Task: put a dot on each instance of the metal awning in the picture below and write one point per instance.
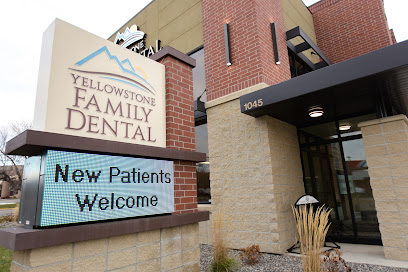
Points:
(305, 45)
(374, 82)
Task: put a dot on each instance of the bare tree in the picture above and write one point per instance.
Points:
(9, 164)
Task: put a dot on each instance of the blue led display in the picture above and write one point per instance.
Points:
(82, 187)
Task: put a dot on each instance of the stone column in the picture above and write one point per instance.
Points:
(256, 176)
(386, 146)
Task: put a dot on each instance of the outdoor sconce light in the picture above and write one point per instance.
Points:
(227, 45)
(275, 43)
(344, 127)
(315, 111)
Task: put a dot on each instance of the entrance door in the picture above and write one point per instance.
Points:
(336, 173)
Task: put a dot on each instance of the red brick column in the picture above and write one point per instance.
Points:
(180, 124)
(251, 45)
(185, 187)
(348, 28)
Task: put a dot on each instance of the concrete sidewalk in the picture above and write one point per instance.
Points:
(366, 254)
(9, 201)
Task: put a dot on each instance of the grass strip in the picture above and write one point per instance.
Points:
(7, 206)
(6, 256)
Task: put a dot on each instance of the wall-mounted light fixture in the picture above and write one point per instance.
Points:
(275, 43)
(227, 45)
(315, 111)
(344, 127)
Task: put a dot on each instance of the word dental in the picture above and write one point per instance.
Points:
(64, 175)
(141, 49)
(90, 105)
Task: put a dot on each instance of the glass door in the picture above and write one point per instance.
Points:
(335, 172)
(325, 180)
(361, 193)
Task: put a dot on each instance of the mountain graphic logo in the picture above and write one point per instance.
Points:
(125, 65)
(129, 36)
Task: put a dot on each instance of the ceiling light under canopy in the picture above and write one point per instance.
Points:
(316, 111)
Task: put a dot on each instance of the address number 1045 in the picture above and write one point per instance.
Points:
(255, 104)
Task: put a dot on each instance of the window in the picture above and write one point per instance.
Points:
(297, 66)
(201, 132)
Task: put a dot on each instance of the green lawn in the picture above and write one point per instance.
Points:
(6, 257)
(8, 206)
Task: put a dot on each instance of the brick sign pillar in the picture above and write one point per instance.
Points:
(180, 123)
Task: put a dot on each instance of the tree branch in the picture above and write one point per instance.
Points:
(15, 166)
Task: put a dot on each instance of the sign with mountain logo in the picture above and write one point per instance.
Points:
(91, 87)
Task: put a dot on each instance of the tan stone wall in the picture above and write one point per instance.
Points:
(157, 250)
(256, 176)
(386, 146)
(177, 23)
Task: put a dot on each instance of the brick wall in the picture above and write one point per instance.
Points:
(251, 45)
(348, 28)
(180, 131)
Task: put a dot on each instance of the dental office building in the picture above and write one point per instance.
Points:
(291, 100)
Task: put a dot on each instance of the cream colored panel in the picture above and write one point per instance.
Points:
(151, 27)
(296, 14)
(177, 23)
(189, 40)
(44, 77)
(175, 9)
(164, 3)
(303, 11)
(99, 90)
(181, 25)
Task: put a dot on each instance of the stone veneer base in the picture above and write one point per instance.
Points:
(162, 243)
(19, 238)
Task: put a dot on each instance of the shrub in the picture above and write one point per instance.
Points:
(334, 262)
(9, 218)
(250, 255)
(222, 262)
(312, 228)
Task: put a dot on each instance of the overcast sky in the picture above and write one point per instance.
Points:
(22, 23)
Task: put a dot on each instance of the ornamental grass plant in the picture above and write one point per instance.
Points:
(222, 261)
(312, 227)
(16, 210)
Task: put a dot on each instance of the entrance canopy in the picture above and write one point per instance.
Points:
(376, 82)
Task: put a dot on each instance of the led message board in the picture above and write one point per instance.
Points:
(79, 187)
